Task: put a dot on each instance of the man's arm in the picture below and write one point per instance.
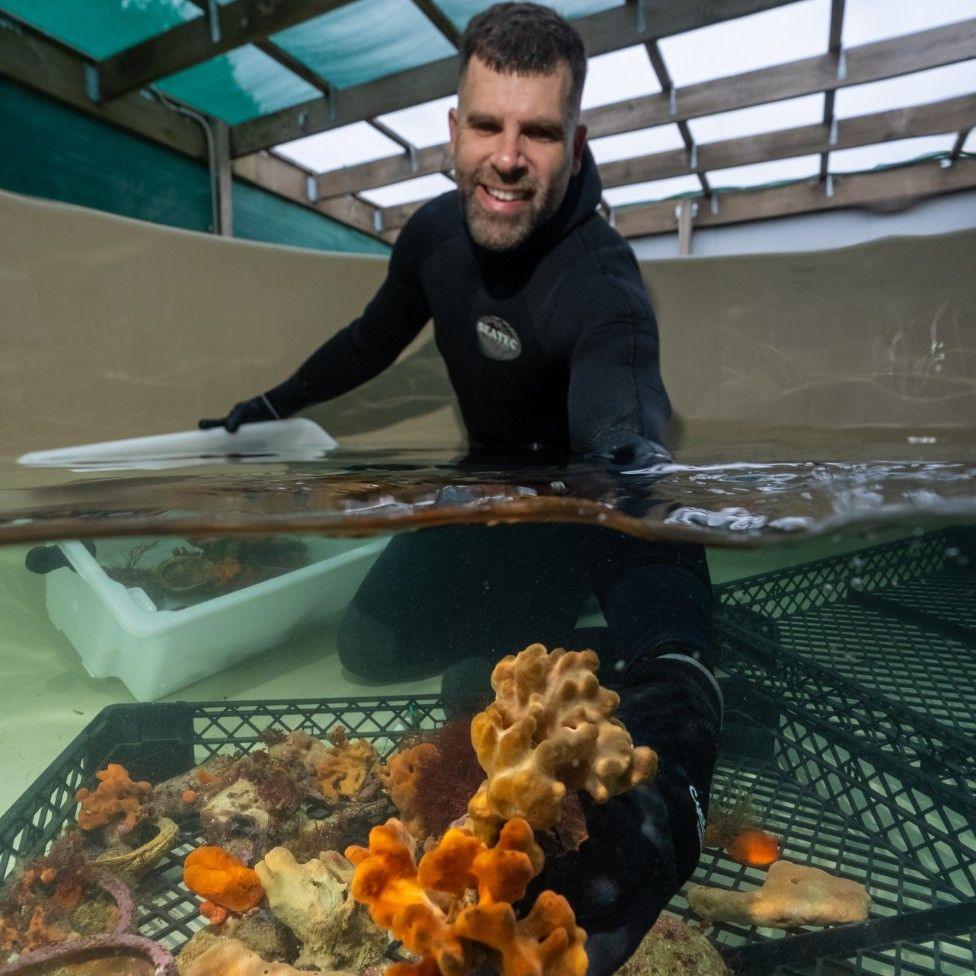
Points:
(644, 844)
(603, 320)
(357, 353)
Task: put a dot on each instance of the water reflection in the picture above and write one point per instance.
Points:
(362, 492)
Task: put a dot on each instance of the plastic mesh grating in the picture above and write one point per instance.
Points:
(926, 671)
(888, 635)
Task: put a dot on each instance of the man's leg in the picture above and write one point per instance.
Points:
(440, 596)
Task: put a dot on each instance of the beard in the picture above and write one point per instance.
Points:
(504, 232)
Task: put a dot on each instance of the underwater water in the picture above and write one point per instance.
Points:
(207, 603)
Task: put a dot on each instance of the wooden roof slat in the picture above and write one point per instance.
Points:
(279, 176)
(607, 31)
(862, 189)
(869, 62)
(933, 119)
(863, 130)
(190, 43)
(859, 189)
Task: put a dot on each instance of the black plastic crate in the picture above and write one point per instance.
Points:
(875, 737)
(767, 748)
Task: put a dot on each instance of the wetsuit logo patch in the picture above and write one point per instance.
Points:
(497, 339)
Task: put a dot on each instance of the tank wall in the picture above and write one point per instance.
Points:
(114, 327)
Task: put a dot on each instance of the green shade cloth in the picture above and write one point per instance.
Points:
(365, 40)
(461, 11)
(238, 86)
(63, 155)
(100, 28)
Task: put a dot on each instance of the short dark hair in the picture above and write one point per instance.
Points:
(525, 38)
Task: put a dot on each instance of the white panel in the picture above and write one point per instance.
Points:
(619, 75)
(919, 88)
(787, 114)
(886, 153)
(756, 174)
(347, 146)
(423, 125)
(621, 196)
(874, 20)
(660, 138)
(797, 30)
(409, 190)
(969, 145)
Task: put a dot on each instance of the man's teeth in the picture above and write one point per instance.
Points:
(506, 195)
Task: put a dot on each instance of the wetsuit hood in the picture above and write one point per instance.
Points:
(582, 196)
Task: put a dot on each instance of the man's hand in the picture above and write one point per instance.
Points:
(248, 412)
(644, 844)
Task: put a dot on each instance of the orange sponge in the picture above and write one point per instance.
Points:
(430, 911)
(221, 879)
(116, 802)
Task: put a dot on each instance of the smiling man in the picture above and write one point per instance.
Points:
(538, 305)
(551, 343)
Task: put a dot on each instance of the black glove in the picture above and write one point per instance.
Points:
(248, 412)
(644, 844)
(627, 449)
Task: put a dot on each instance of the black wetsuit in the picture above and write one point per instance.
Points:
(554, 343)
(551, 345)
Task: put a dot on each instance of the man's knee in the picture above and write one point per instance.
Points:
(371, 649)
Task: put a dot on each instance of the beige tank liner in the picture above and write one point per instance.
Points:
(113, 328)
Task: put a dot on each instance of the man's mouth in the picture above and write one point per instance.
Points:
(503, 201)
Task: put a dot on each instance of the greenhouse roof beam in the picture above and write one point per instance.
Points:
(856, 190)
(869, 62)
(239, 22)
(609, 30)
(936, 118)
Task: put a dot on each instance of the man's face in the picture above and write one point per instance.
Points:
(515, 147)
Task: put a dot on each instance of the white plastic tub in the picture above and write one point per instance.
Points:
(119, 632)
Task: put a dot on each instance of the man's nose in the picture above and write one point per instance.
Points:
(508, 159)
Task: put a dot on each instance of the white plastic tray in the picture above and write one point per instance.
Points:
(284, 439)
(118, 632)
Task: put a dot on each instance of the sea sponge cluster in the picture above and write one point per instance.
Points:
(222, 880)
(312, 900)
(400, 777)
(342, 769)
(458, 903)
(117, 802)
(549, 730)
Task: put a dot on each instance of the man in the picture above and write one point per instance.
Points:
(551, 345)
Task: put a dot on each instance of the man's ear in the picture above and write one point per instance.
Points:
(579, 143)
(452, 125)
